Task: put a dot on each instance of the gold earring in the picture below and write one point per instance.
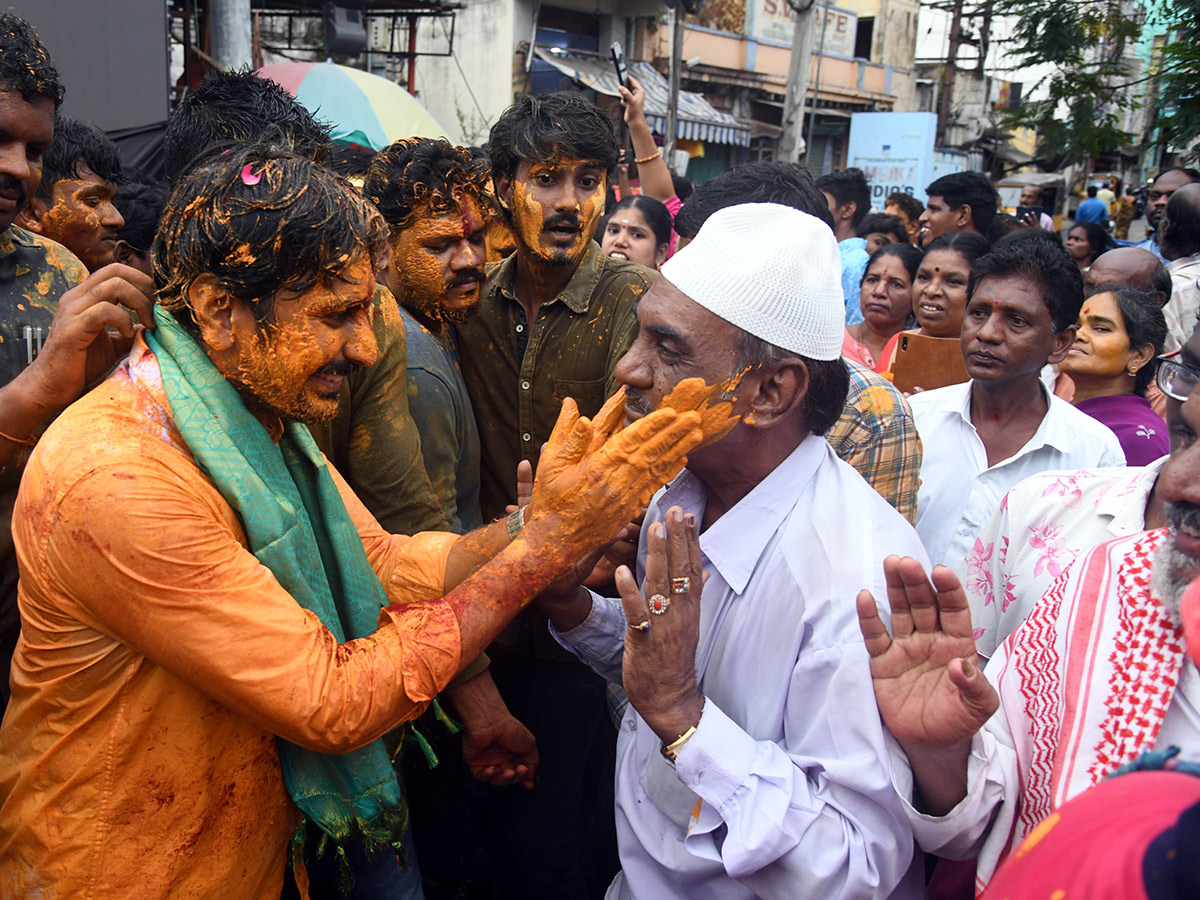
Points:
(1132, 372)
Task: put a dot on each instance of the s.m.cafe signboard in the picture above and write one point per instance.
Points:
(773, 20)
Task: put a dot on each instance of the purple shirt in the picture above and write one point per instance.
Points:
(1141, 431)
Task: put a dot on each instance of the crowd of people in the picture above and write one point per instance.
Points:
(526, 522)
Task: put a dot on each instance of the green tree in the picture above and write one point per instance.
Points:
(1078, 112)
(1178, 72)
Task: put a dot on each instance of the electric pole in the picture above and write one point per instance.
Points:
(229, 30)
(677, 22)
(791, 141)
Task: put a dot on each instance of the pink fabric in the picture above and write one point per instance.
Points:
(856, 352)
(673, 206)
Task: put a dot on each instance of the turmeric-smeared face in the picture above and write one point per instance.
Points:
(82, 217)
(436, 270)
(555, 205)
(677, 339)
(294, 365)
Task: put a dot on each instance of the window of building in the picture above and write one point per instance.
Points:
(864, 37)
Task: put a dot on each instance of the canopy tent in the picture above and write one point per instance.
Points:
(697, 120)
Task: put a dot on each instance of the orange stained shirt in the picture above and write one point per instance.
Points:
(158, 660)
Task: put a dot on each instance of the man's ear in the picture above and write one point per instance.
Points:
(503, 186)
(779, 389)
(964, 216)
(126, 254)
(1062, 343)
(216, 311)
(30, 218)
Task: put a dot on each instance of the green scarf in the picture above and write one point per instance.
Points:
(298, 527)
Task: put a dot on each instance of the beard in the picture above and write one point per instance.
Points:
(1173, 571)
(1169, 581)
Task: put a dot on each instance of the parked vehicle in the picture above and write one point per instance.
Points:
(1099, 179)
(1054, 193)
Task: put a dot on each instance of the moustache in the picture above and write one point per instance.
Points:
(638, 402)
(338, 367)
(8, 183)
(466, 277)
(571, 220)
(1181, 514)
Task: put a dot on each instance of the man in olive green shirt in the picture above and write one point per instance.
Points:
(553, 320)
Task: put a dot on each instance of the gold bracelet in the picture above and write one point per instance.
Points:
(671, 750)
(28, 442)
(653, 156)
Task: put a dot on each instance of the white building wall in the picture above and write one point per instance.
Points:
(467, 92)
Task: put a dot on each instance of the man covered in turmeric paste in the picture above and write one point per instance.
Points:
(215, 632)
(553, 320)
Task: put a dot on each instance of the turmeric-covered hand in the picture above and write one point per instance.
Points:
(588, 487)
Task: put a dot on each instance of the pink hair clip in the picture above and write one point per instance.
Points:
(249, 176)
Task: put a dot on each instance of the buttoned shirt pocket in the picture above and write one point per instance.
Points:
(588, 395)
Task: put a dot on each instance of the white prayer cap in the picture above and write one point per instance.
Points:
(770, 270)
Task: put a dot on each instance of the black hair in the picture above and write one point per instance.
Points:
(425, 177)
(25, 64)
(1183, 223)
(828, 379)
(1004, 225)
(239, 108)
(653, 211)
(1097, 238)
(561, 123)
(967, 244)
(1160, 282)
(762, 182)
(885, 224)
(911, 206)
(1092, 190)
(1144, 324)
(1047, 266)
(848, 186)
(908, 255)
(970, 189)
(351, 161)
(1027, 233)
(683, 187)
(140, 206)
(260, 219)
(78, 142)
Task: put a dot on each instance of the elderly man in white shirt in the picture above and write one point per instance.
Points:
(1096, 674)
(751, 762)
(1049, 520)
(983, 437)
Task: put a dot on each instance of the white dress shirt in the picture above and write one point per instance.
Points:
(784, 789)
(960, 492)
(1042, 525)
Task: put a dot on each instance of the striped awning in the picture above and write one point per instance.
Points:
(696, 121)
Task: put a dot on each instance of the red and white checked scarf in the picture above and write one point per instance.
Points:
(1085, 682)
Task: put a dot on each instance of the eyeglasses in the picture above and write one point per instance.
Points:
(1174, 378)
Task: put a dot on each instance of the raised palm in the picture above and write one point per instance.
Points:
(928, 685)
